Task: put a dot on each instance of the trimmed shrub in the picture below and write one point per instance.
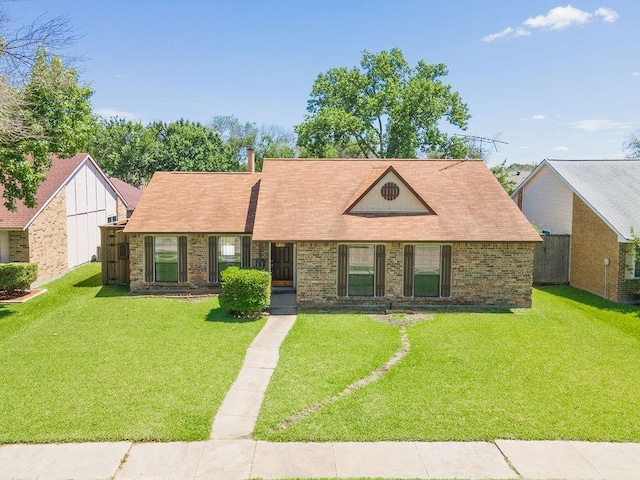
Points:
(245, 292)
(17, 277)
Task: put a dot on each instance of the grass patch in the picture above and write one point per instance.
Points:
(322, 355)
(567, 368)
(83, 362)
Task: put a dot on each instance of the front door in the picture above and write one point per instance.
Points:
(282, 264)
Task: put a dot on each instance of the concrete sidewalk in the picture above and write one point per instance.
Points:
(246, 459)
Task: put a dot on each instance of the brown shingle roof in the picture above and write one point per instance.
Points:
(131, 194)
(56, 176)
(304, 200)
(180, 202)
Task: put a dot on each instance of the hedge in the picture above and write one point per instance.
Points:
(15, 277)
(245, 292)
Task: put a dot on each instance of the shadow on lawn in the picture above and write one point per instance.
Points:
(105, 290)
(221, 315)
(590, 300)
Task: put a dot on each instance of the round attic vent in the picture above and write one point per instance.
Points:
(390, 191)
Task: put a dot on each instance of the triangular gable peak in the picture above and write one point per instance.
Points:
(385, 192)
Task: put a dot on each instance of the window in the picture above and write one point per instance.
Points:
(165, 257)
(426, 282)
(361, 270)
(632, 267)
(112, 219)
(229, 253)
(427, 270)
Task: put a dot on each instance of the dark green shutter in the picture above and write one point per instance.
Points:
(148, 259)
(408, 270)
(246, 252)
(182, 259)
(343, 268)
(213, 259)
(380, 270)
(445, 271)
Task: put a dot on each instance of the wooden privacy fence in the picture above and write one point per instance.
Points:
(551, 260)
(114, 253)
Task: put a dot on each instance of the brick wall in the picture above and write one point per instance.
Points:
(48, 239)
(498, 274)
(18, 246)
(591, 242)
(121, 209)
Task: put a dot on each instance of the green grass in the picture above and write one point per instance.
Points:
(334, 350)
(568, 368)
(85, 363)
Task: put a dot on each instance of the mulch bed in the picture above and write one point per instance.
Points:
(19, 297)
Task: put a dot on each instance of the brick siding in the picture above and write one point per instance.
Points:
(18, 246)
(121, 209)
(591, 242)
(48, 239)
(486, 274)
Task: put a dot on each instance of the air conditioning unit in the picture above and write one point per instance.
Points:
(98, 253)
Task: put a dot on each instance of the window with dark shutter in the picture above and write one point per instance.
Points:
(246, 252)
(408, 270)
(343, 266)
(446, 271)
(380, 270)
(182, 259)
(148, 259)
(213, 259)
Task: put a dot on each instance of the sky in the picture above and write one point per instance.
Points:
(549, 78)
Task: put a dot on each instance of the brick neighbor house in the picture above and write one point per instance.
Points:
(62, 231)
(339, 232)
(597, 203)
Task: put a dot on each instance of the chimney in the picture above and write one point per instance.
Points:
(251, 160)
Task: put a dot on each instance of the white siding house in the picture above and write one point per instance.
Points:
(547, 202)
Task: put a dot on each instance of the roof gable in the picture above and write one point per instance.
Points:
(385, 192)
(611, 188)
(305, 200)
(56, 177)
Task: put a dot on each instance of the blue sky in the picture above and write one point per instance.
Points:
(554, 80)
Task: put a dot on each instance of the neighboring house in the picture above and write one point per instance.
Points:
(130, 194)
(340, 232)
(62, 231)
(597, 202)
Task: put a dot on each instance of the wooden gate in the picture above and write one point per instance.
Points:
(115, 255)
(551, 260)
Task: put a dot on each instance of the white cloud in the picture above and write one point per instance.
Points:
(557, 18)
(596, 125)
(561, 148)
(495, 36)
(114, 112)
(524, 147)
(538, 117)
(608, 14)
(635, 74)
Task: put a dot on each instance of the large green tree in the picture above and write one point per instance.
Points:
(268, 141)
(383, 109)
(133, 153)
(51, 113)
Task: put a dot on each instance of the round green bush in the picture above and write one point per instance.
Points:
(245, 292)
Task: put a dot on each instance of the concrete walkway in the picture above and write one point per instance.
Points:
(230, 455)
(245, 459)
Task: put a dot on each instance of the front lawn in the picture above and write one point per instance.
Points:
(86, 363)
(568, 368)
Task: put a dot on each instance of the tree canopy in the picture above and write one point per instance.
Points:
(133, 153)
(49, 114)
(267, 140)
(383, 109)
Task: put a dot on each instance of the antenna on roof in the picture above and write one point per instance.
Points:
(474, 140)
